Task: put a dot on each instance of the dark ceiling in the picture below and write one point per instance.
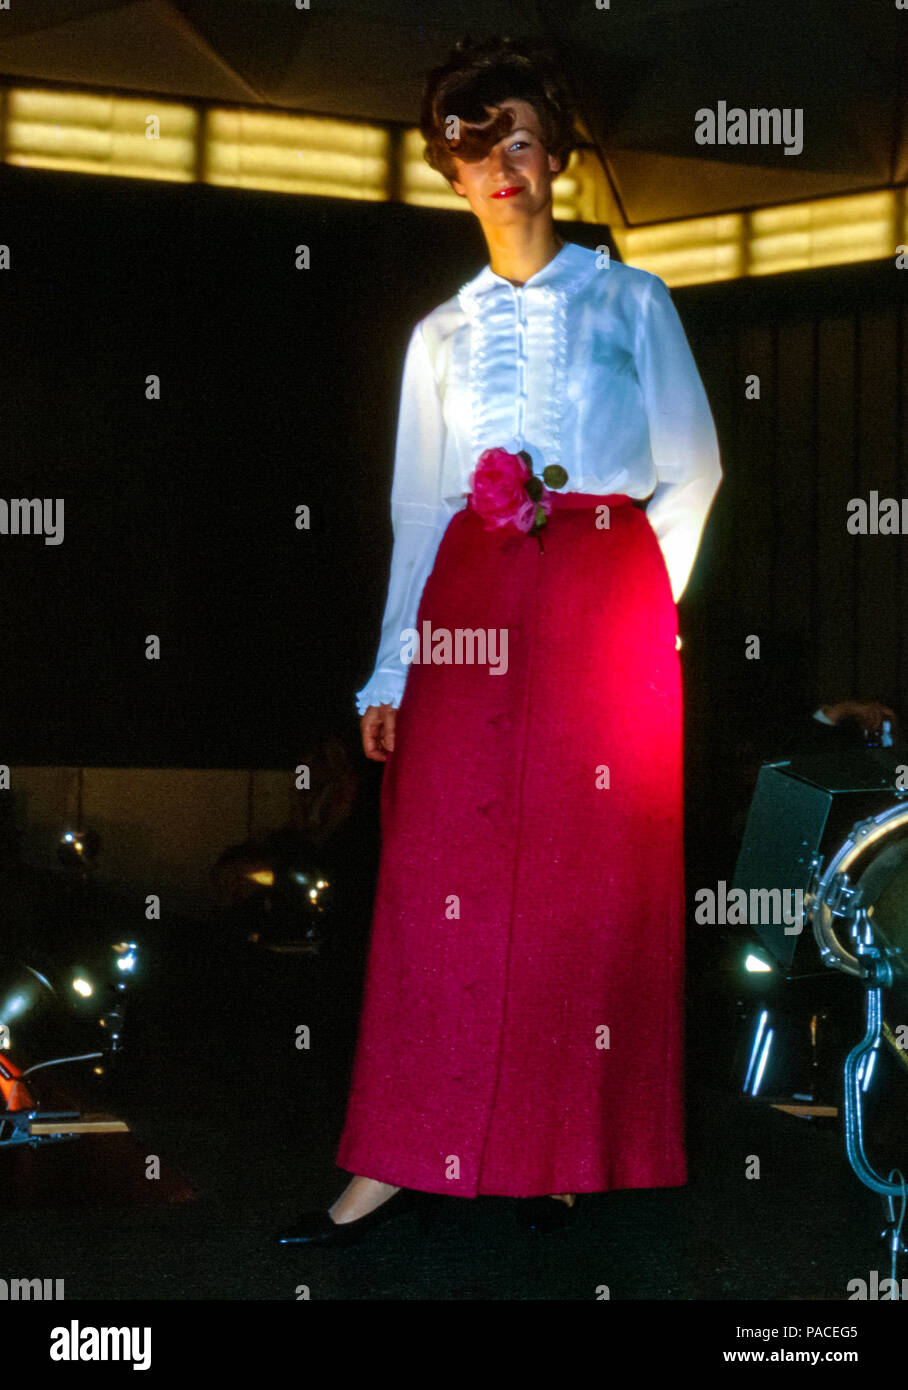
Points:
(641, 69)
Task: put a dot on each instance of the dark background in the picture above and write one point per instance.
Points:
(279, 387)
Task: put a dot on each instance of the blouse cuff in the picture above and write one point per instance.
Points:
(385, 688)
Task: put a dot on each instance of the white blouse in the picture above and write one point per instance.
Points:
(586, 365)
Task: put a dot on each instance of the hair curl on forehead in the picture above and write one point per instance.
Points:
(480, 75)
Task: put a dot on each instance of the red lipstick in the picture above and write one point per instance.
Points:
(508, 192)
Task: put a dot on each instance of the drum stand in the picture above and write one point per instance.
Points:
(876, 976)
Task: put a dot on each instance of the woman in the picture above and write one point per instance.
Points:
(521, 1031)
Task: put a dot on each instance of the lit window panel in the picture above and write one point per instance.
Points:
(829, 231)
(695, 251)
(296, 154)
(768, 241)
(131, 137)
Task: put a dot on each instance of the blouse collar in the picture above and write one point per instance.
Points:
(565, 272)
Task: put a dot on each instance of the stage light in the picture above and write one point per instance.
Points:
(78, 849)
(756, 963)
(127, 957)
(13, 1006)
(19, 997)
(83, 987)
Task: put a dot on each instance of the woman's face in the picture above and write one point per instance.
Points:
(514, 181)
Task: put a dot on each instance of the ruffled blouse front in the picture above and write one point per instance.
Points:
(586, 365)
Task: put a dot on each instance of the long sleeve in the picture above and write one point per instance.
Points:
(418, 518)
(683, 440)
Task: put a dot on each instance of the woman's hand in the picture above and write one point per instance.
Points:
(378, 725)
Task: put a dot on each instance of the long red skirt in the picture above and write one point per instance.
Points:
(522, 1025)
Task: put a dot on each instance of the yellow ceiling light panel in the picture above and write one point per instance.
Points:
(768, 241)
(567, 191)
(695, 251)
(421, 185)
(584, 186)
(831, 231)
(296, 154)
(132, 137)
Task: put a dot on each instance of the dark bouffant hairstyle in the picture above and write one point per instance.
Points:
(482, 74)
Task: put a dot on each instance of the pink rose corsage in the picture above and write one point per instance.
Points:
(505, 492)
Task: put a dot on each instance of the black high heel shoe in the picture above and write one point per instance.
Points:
(317, 1227)
(543, 1215)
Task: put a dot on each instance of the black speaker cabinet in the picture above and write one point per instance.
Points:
(805, 806)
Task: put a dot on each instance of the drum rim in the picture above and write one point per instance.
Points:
(863, 835)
